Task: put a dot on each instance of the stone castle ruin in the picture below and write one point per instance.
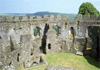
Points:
(22, 41)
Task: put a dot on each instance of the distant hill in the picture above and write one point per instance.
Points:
(71, 16)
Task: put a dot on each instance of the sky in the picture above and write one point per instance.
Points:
(32, 6)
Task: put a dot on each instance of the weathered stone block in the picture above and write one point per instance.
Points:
(86, 17)
(93, 17)
(1, 19)
(70, 46)
(1, 65)
(77, 45)
(31, 18)
(2, 49)
(45, 16)
(8, 68)
(65, 18)
(79, 53)
(16, 19)
(39, 17)
(26, 45)
(13, 42)
(71, 37)
(89, 44)
(58, 68)
(24, 18)
(80, 44)
(79, 17)
(8, 19)
(52, 16)
(59, 16)
(71, 34)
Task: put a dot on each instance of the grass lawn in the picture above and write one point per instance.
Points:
(69, 60)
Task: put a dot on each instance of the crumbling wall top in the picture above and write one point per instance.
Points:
(79, 17)
(87, 18)
(9, 19)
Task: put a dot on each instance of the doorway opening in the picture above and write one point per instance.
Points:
(49, 46)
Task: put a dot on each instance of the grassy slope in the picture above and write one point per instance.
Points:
(69, 60)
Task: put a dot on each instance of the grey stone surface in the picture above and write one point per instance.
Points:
(79, 53)
(8, 68)
(58, 68)
(1, 64)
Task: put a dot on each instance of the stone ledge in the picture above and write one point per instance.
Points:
(58, 68)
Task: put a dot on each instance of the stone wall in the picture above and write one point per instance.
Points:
(19, 46)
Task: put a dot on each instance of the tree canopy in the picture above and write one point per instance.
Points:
(88, 9)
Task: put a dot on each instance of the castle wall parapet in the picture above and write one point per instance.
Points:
(9, 19)
(87, 18)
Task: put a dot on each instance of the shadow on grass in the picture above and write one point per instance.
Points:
(92, 61)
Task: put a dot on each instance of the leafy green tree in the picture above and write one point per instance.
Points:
(88, 9)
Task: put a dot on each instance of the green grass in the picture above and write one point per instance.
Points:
(69, 60)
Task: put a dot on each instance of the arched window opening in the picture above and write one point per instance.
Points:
(65, 24)
(37, 31)
(78, 22)
(31, 52)
(60, 47)
(18, 57)
(71, 33)
(55, 27)
(72, 30)
(49, 46)
(0, 37)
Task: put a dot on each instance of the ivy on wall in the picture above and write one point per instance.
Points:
(56, 29)
(35, 31)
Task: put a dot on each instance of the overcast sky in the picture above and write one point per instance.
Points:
(32, 6)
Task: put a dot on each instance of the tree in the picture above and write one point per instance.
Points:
(88, 9)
